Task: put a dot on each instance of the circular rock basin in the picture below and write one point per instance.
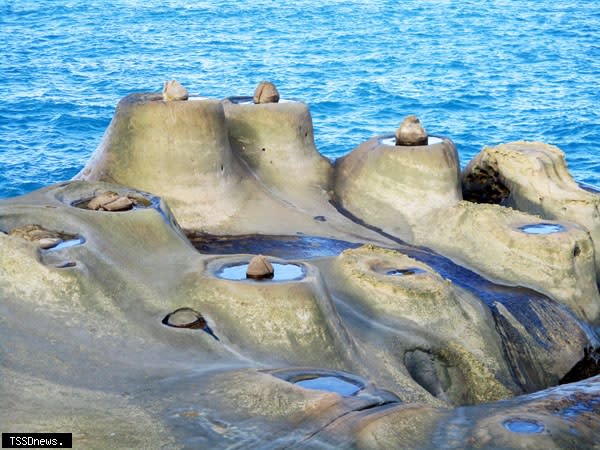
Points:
(542, 228)
(282, 272)
(523, 426)
(187, 318)
(329, 384)
(431, 140)
(403, 272)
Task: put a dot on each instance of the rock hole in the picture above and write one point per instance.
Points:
(187, 318)
(65, 265)
(587, 367)
(423, 368)
(483, 185)
(263, 149)
(401, 272)
(576, 251)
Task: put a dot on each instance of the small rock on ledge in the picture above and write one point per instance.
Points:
(411, 132)
(266, 92)
(259, 268)
(173, 91)
(110, 201)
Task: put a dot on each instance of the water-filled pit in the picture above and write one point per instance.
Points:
(431, 140)
(286, 247)
(542, 228)
(403, 272)
(329, 384)
(282, 272)
(523, 426)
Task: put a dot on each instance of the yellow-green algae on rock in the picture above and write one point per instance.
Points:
(384, 345)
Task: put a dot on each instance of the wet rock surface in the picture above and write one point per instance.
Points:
(374, 343)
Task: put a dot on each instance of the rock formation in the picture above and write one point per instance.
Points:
(443, 323)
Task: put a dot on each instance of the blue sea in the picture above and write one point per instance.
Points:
(479, 72)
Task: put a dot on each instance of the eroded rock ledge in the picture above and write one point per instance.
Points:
(397, 314)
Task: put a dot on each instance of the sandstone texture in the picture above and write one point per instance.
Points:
(436, 321)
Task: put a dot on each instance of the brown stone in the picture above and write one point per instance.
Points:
(49, 242)
(34, 233)
(259, 268)
(266, 92)
(174, 91)
(100, 200)
(411, 132)
(119, 204)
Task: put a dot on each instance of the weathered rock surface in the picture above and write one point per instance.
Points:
(414, 193)
(386, 345)
(535, 179)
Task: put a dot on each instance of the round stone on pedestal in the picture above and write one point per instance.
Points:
(411, 132)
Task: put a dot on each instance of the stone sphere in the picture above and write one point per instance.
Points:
(266, 92)
(173, 90)
(411, 132)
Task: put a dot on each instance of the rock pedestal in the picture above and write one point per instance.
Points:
(395, 187)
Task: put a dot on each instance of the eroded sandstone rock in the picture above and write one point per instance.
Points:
(444, 341)
(532, 177)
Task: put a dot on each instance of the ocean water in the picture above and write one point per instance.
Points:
(479, 72)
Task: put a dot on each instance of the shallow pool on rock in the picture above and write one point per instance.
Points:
(523, 426)
(67, 244)
(287, 247)
(282, 272)
(542, 228)
(329, 384)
